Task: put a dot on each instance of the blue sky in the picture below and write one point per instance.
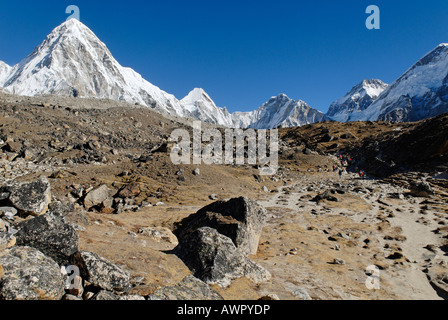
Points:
(242, 52)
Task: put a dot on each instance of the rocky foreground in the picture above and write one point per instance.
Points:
(91, 207)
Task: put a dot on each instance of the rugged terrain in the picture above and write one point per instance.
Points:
(321, 231)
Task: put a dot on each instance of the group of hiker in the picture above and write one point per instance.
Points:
(345, 161)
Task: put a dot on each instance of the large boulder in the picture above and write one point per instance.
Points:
(240, 219)
(189, 289)
(420, 189)
(28, 274)
(214, 258)
(30, 198)
(96, 197)
(129, 190)
(50, 234)
(100, 272)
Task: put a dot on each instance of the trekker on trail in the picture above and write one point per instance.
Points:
(362, 174)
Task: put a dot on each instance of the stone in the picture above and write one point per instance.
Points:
(421, 189)
(13, 146)
(347, 135)
(4, 195)
(50, 234)
(104, 295)
(213, 197)
(29, 275)
(159, 234)
(7, 240)
(71, 297)
(326, 195)
(240, 219)
(327, 138)
(269, 297)
(132, 297)
(31, 198)
(189, 289)
(130, 190)
(29, 154)
(96, 197)
(8, 212)
(214, 258)
(197, 172)
(59, 208)
(302, 294)
(100, 272)
(338, 261)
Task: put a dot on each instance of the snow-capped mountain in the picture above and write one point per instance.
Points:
(72, 61)
(242, 120)
(199, 105)
(359, 98)
(5, 70)
(420, 93)
(281, 111)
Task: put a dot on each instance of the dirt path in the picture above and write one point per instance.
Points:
(396, 240)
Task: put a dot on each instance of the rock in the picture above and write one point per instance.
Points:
(302, 294)
(104, 295)
(62, 209)
(347, 135)
(327, 138)
(269, 297)
(71, 297)
(7, 240)
(29, 154)
(130, 190)
(31, 198)
(189, 289)
(29, 275)
(13, 146)
(240, 219)
(338, 261)
(334, 146)
(107, 206)
(213, 197)
(100, 272)
(8, 213)
(395, 256)
(96, 197)
(420, 189)
(214, 258)
(159, 234)
(197, 172)
(326, 195)
(4, 195)
(50, 234)
(133, 297)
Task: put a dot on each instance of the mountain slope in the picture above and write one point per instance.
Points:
(359, 98)
(72, 61)
(420, 93)
(199, 105)
(5, 71)
(281, 111)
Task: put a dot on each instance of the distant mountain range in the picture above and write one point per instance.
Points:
(73, 62)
